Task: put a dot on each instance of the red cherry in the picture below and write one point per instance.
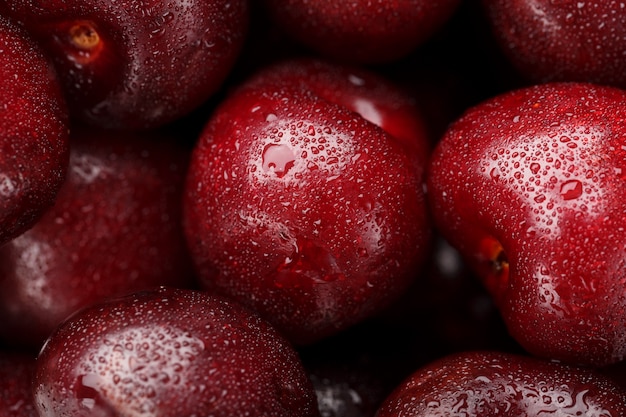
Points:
(361, 31)
(115, 228)
(528, 186)
(567, 40)
(367, 93)
(137, 63)
(302, 209)
(170, 353)
(490, 384)
(33, 132)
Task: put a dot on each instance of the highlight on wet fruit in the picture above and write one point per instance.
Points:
(310, 208)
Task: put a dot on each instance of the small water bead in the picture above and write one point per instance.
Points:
(571, 189)
(278, 159)
(534, 168)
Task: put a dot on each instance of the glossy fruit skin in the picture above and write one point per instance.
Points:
(303, 210)
(493, 384)
(171, 353)
(34, 133)
(16, 375)
(528, 186)
(566, 40)
(361, 31)
(136, 64)
(115, 228)
(374, 97)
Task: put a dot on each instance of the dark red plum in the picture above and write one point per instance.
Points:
(136, 63)
(361, 31)
(171, 353)
(302, 209)
(34, 135)
(566, 40)
(529, 187)
(493, 384)
(115, 228)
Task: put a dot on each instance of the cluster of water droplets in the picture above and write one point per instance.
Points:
(493, 384)
(555, 175)
(133, 366)
(296, 148)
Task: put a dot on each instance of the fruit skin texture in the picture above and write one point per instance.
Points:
(115, 228)
(34, 133)
(361, 31)
(303, 210)
(492, 384)
(171, 353)
(529, 187)
(16, 374)
(560, 40)
(136, 64)
(367, 93)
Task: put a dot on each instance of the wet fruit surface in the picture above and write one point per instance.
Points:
(538, 174)
(305, 201)
(33, 132)
(333, 220)
(170, 353)
(566, 40)
(361, 31)
(137, 64)
(109, 233)
(488, 384)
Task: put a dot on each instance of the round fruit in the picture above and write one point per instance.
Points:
(361, 31)
(33, 132)
(566, 40)
(490, 384)
(529, 187)
(171, 353)
(115, 228)
(136, 63)
(302, 209)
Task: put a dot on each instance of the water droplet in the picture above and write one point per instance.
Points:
(312, 166)
(356, 80)
(87, 390)
(278, 159)
(534, 168)
(571, 189)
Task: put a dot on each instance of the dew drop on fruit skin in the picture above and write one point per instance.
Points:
(278, 159)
